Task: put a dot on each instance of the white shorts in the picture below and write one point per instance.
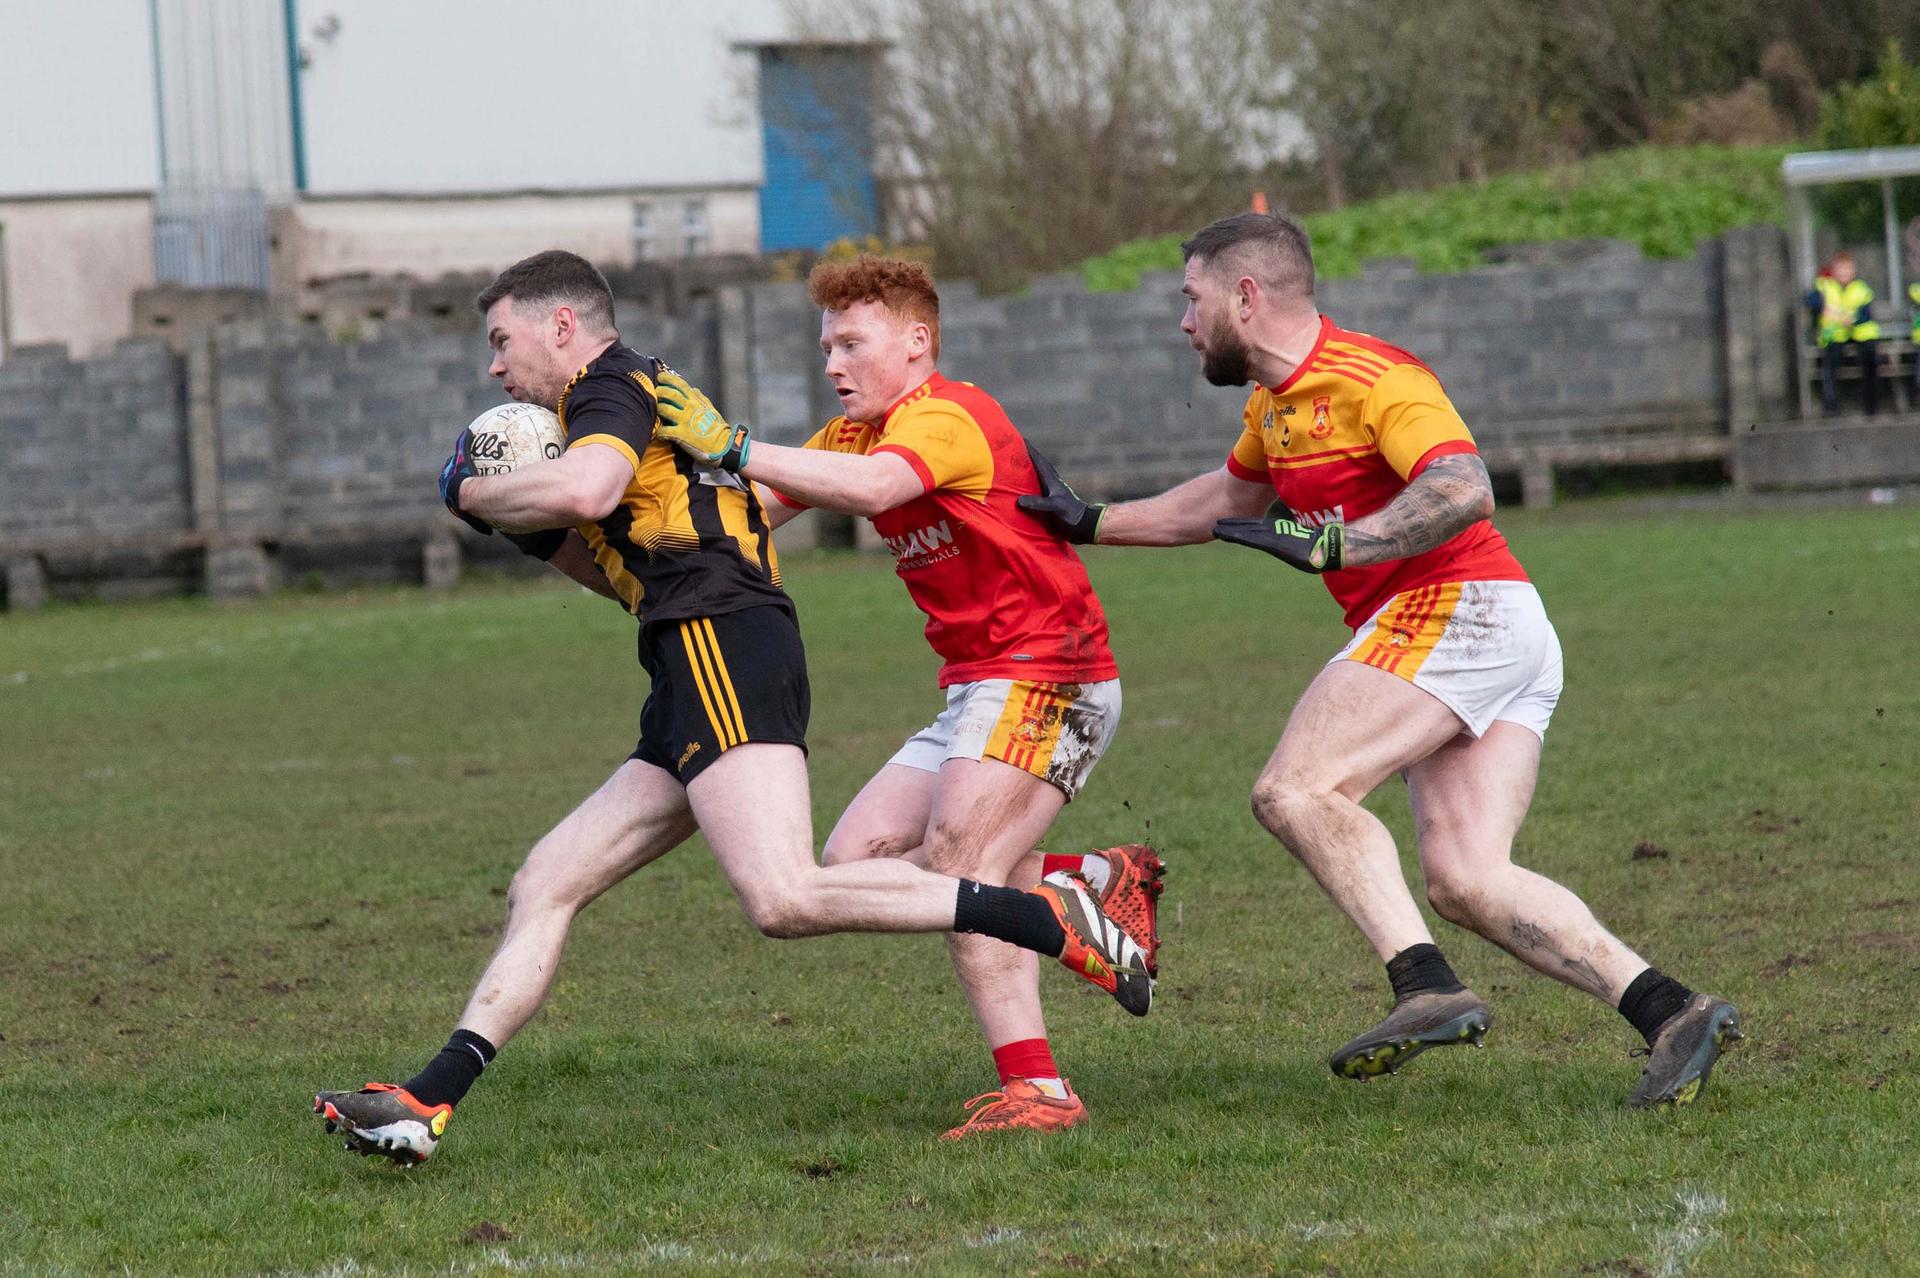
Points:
(1484, 649)
(1056, 731)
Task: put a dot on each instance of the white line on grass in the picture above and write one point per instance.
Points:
(1681, 1244)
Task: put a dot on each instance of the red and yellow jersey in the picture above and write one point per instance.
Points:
(1005, 598)
(1342, 437)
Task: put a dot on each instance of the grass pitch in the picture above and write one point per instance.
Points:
(247, 852)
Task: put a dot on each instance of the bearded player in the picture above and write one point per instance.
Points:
(1033, 696)
(1451, 676)
(685, 549)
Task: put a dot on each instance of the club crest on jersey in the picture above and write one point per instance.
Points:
(1322, 417)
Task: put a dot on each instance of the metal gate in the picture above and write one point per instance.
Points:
(211, 239)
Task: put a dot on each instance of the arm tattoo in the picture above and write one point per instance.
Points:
(1452, 493)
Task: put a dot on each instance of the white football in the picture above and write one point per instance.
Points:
(510, 436)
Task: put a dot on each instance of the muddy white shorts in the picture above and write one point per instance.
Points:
(1056, 731)
(1484, 649)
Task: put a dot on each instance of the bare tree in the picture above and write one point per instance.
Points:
(1025, 135)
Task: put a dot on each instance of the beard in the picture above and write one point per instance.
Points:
(1226, 360)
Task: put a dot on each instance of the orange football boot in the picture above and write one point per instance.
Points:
(1020, 1105)
(1132, 895)
(1097, 949)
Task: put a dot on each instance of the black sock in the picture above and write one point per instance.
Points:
(1650, 1000)
(448, 1076)
(1007, 914)
(1420, 969)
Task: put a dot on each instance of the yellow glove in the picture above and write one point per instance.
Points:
(689, 421)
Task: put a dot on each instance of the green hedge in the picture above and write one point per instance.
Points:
(1665, 199)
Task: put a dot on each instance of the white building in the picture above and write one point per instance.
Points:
(258, 143)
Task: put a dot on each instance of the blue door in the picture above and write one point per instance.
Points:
(819, 148)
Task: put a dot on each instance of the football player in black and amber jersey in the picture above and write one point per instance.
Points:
(1452, 674)
(683, 547)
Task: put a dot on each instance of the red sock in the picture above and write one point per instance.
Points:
(1050, 864)
(1028, 1058)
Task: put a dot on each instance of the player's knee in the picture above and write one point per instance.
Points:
(947, 851)
(1280, 804)
(1455, 897)
(783, 912)
(532, 891)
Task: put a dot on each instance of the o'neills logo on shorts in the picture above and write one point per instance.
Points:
(922, 546)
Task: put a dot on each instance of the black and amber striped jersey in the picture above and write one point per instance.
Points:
(686, 540)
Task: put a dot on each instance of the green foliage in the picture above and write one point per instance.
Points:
(1883, 110)
(1665, 199)
(248, 851)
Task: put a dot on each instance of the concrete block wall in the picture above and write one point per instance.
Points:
(274, 430)
(94, 447)
(326, 434)
(1605, 343)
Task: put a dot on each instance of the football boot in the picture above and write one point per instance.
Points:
(1684, 1049)
(1415, 1024)
(1097, 949)
(1132, 895)
(1020, 1104)
(381, 1118)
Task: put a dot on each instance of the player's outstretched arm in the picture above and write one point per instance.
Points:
(850, 483)
(1451, 495)
(1184, 515)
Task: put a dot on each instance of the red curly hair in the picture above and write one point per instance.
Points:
(904, 288)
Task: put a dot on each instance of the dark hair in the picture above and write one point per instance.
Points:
(904, 288)
(1271, 248)
(555, 278)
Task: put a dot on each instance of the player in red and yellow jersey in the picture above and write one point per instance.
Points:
(1033, 696)
(1450, 678)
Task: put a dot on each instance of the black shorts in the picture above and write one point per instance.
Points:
(718, 682)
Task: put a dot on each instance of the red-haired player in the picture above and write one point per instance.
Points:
(1033, 696)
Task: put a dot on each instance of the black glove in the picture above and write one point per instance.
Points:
(542, 545)
(1058, 504)
(457, 471)
(1287, 537)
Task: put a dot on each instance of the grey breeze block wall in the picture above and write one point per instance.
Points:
(92, 448)
(274, 433)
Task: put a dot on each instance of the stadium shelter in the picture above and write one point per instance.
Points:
(1827, 168)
